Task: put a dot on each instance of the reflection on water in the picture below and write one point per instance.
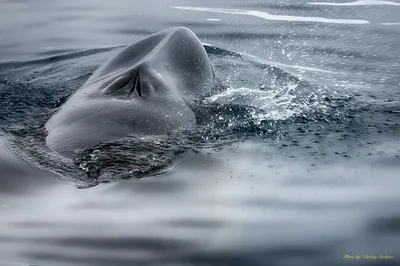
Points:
(232, 207)
(325, 186)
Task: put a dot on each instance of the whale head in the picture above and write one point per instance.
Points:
(143, 90)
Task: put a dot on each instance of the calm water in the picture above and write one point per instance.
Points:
(302, 169)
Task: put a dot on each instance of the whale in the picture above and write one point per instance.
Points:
(143, 90)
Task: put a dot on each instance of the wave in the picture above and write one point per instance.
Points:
(61, 55)
(268, 16)
(356, 3)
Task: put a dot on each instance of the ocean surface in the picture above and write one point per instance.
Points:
(296, 162)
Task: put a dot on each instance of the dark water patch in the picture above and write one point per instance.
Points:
(30, 147)
(385, 33)
(275, 256)
(60, 39)
(305, 181)
(9, 45)
(387, 225)
(214, 50)
(81, 8)
(389, 262)
(38, 25)
(69, 17)
(195, 25)
(19, 2)
(127, 31)
(156, 185)
(58, 52)
(344, 53)
(309, 205)
(358, 67)
(76, 259)
(6, 239)
(14, 181)
(18, 101)
(23, 113)
(195, 223)
(35, 225)
(164, 250)
(95, 205)
(158, 244)
(17, 176)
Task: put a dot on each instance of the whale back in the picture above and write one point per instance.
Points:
(174, 53)
(143, 90)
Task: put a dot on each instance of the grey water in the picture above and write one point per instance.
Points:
(296, 161)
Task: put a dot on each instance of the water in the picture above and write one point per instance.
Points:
(295, 160)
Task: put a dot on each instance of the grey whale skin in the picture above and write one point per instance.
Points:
(143, 90)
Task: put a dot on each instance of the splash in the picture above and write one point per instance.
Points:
(272, 105)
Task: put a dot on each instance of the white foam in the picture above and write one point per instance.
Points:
(267, 16)
(213, 19)
(158, 73)
(356, 3)
(390, 24)
(274, 103)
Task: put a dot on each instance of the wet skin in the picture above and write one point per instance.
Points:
(143, 90)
